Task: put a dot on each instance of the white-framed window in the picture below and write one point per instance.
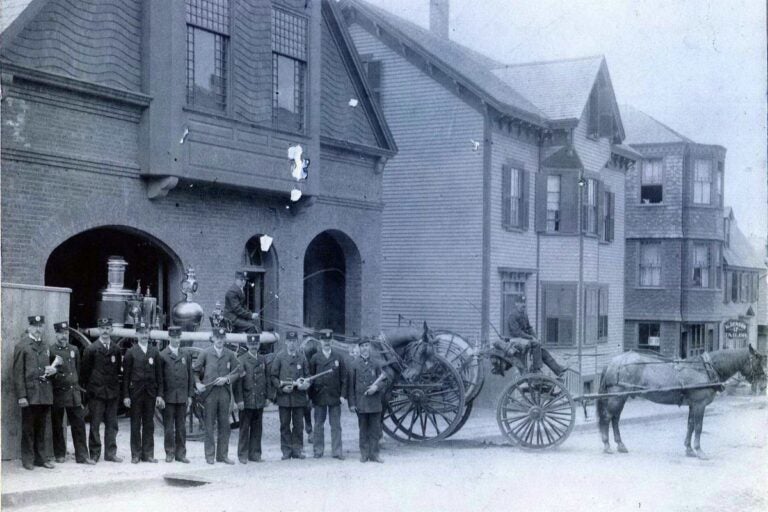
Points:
(652, 182)
(512, 291)
(650, 264)
(589, 214)
(701, 264)
(559, 306)
(702, 181)
(553, 203)
(514, 210)
(649, 336)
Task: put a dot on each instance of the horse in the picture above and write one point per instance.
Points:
(645, 371)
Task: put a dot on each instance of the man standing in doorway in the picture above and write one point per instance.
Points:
(236, 311)
(288, 366)
(141, 376)
(101, 379)
(67, 398)
(34, 392)
(216, 368)
(326, 393)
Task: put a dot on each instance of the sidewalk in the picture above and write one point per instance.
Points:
(70, 480)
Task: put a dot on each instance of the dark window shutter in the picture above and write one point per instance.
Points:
(506, 178)
(543, 330)
(594, 115)
(524, 194)
(541, 202)
(599, 207)
(727, 287)
(569, 191)
(611, 215)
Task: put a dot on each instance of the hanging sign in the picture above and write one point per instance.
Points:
(735, 330)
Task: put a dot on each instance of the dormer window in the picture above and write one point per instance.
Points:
(651, 182)
(601, 121)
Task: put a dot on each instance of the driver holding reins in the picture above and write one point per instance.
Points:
(522, 337)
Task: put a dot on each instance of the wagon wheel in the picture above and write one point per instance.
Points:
(429, 407)
(195, 422)
(460, 353)
(536, 412)
(464, 418)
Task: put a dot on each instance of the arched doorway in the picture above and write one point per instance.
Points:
(332, 287)
(80, 263)
(261, 291)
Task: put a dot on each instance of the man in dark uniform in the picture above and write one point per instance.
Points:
(310, 347)
(251, 398)
(326, 393)
(31, 372)
(141, 376)
(288, 366)
(235, 311)
(367, 382)
(216, 368)
(67, 398)
(520, 328)
(101, 378)
(176, 388)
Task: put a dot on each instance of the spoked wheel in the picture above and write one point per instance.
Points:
(460, 352)
(429, 406)
(194, 421)
(464, 418)
(536, 412)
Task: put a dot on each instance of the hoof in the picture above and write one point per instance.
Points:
(701, 455)
(621, 448)
(690, 453)
(608, 450)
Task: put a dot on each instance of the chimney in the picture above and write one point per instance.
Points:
(438, 17)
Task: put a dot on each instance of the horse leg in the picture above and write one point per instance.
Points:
(604, 418)
(698, 428)
(617, 435)
(691, 424)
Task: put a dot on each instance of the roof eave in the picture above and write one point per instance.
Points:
(21, 21)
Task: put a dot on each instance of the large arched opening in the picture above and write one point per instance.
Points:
(80, 263)
(332, 284)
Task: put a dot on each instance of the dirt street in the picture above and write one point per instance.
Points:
(467, 475)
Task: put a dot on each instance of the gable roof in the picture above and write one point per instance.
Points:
(739, 252)
(472, 68)
(559, 88)
(644, 129)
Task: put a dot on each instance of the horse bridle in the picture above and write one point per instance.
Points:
(754, 374)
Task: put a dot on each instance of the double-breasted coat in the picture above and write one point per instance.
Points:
(66, 380)
(289, 367)
(30, 358)
(176, 381)
(252, 387)
(100, 374)
(328, 389)
(364, 372)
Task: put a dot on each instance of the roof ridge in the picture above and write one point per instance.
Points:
(554, 61)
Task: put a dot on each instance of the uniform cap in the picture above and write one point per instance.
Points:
(253, 338)
(142, 327)
(364, 339)
(326, 334)
(36, 320)
(104, 322)
(291, 335)
(61, 326)
(219, 333)
(174, 330)
(239, 275)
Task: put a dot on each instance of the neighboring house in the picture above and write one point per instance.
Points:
(691, 277)
(483, 202)
(159, 131)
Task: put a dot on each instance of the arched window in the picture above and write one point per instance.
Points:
(261, 291)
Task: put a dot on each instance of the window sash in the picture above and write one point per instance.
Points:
(650, 264)
(701, 264)
(560, 314)
(512, 289)
(646, 331)
(212, 94)
(553, 203)
(211, 15)
(702, 181)
(651, 173)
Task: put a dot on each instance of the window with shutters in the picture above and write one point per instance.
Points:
(207, 47)
(650, 264)
(735, 286)
(512, 291)
(553, 203)
(589, 207)
(289, 70)
(649, 336)
(591, 299)
(602, 315)
(701, 265)
(651, 182)
(607, 216)
(513, 198)
(559, 319)
(702, 181)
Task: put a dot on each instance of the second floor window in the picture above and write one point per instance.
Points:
(702, 181)
(289, 70)
(701, 266)
(553, 203)
(650, 264)
(207, 42)
(513, 194)
(651, 184)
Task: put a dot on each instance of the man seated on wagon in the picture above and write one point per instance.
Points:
(236, 312)
(522, 338)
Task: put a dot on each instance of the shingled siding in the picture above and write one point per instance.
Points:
(339, 120)
(432, 220)
(657, 303)
(252, 61)
(94, 40)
